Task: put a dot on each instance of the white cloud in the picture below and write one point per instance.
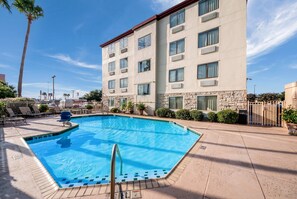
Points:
(93, 80)
(293, 66)
(161, 5)
(67, 59)
(270, 24)
(4, 66)
(257, 71)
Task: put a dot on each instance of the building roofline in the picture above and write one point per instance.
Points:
(158, 17)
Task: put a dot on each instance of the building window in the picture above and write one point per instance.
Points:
(208, 38)
(124, 63)
(176, 75)
(209, 70)
(111, 48)
(144, 42)
(111, 101)
(177, 18)
(175, 102)
(143, 89)
(124, 83)
(111, 66)
(144, 66)
(207, 103)
(123, 101)
(177, 47)
(123, 43)
(206, 6)
(111, 84)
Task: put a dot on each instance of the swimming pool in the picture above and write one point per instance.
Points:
(81, 156)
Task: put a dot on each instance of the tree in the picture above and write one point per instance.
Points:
(251, 97)
(266, 97)
(5, 4)
(32, 13)
(94, 95)
(7, 91)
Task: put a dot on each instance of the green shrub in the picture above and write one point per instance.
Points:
(196, 115)
(89, 106)
(165, 112)
(123, 106)
(130, 107)
(227, 116)
(2, 108)
(183, 114)
(115, 110)
(212, 116)
(140, 106)
(43, 108)
(290, 115)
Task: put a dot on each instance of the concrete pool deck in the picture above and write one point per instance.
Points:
(230, 161)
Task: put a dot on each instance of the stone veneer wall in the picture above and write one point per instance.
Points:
(235, 100)
(116, 101)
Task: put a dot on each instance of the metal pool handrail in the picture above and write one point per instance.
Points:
(115, 151)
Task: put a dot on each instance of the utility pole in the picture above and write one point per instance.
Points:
(255, 89)
(54, 86)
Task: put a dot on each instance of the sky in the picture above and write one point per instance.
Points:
(65, 42)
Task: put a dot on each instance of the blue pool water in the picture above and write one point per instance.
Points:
(81, 156)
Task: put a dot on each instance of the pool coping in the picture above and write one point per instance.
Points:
(50, 189)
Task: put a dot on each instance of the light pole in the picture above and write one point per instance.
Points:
(54, 87)
(255, 89)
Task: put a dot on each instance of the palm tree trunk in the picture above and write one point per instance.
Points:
(20, 83)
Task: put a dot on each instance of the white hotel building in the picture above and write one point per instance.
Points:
(190, 56)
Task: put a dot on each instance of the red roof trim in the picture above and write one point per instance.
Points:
(158, 17)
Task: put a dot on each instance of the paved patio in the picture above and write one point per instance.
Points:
(230, 161)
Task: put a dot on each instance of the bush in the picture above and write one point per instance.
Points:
(130, 107)
(89, 106)
(290, 115)
(2, 108)
(140, 106)
(212, 116)
(227, 116)
(183, 114)
(115, 110)
(196, 115)
(165, 112)
(123, 106)
(43, 108)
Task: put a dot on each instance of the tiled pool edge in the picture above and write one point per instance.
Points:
(50, 189)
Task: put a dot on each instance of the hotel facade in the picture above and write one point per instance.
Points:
(191, 56)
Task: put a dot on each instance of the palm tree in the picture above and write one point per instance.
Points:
(5, 4)
(32, 13)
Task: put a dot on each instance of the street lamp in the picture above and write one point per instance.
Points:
(54, 87)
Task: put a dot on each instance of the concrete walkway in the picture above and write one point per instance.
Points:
(231, 161)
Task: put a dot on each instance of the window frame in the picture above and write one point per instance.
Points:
(208, 10)
(175, 102)
(113, 80)
(176, 47)
(125, 78)
(123, 100)
(207, 32)
(177, 14)
(205, 98)
(114, 63)
(176, 75)
(111, 48)
(150, 40)
(144, 70)
(124, 43)
(110, 99)
(149, 89)
(126, 58)
(207, 65)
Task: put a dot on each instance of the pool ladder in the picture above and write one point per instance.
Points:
(115, 151)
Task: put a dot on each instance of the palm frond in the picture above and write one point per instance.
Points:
(28, 7)
(5, 4)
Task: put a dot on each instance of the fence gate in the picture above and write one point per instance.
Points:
(265, 113)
